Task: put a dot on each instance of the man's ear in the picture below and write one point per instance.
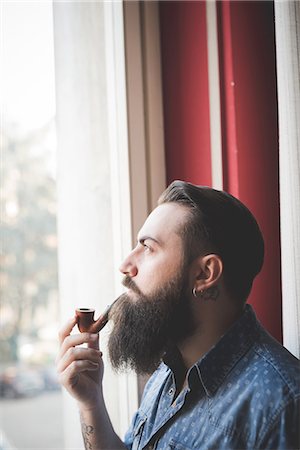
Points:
(207, 271)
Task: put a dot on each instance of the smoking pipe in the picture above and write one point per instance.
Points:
(86, 322)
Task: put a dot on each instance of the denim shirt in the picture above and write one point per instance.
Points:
(242, 394)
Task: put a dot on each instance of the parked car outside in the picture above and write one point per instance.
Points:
(16, 382)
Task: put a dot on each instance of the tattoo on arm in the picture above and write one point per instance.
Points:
(87, 431)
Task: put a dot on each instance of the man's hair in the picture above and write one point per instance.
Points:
(220, 224)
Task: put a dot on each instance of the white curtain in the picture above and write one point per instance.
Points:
(94, 211)
(287, 22)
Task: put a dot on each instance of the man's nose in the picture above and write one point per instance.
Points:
(128, 266)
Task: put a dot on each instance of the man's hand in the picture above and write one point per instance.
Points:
(81, 372)
(80, 369)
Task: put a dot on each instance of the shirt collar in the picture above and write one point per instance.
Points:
(215, 365)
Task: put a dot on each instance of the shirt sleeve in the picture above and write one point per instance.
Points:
(284, 433)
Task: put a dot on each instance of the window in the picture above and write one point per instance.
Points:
(30, 394)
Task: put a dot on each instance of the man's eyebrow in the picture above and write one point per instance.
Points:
(142, 239)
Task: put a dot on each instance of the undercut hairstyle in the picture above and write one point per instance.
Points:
(219, 223)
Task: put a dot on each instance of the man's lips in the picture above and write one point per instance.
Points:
(130, 284)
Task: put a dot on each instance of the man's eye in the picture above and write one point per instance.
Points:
(146, 247)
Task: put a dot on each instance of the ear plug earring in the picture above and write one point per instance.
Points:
(197, 294)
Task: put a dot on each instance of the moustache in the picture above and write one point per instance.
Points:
(130, 284)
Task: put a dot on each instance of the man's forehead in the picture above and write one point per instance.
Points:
(164, 221)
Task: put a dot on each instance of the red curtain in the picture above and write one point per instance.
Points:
(246, 38)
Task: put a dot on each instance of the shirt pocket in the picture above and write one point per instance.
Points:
(138, 431)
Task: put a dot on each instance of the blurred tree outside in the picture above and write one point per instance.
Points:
(30, 395)
(28, 276)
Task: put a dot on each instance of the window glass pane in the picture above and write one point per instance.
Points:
(30, 396)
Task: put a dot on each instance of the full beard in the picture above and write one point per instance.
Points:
(146, 326)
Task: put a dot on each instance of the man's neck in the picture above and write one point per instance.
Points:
(212, 323)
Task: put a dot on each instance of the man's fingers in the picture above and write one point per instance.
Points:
(66, 329)
(70, 375)
(94, 342)
(77, 354)
(78, 339)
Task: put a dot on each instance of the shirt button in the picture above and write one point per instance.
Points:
(171, 391)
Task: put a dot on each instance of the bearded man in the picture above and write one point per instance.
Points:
(219, 380)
